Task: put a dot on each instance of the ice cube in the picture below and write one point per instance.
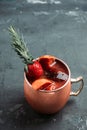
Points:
(62, 76)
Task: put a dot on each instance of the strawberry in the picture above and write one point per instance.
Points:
(34, 68)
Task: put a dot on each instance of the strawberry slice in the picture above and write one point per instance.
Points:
(41, 84)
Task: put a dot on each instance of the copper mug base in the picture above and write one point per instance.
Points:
(48, 102)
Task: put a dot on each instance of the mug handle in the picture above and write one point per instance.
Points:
(76, 80)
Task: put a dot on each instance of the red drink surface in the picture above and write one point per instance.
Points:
(55, 74)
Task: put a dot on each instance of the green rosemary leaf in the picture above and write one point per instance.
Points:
(20, 47)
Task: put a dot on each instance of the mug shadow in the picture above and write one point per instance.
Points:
(70, 102)
(69, 106)
(25, 116)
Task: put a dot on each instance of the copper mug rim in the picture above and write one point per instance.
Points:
(55, 90)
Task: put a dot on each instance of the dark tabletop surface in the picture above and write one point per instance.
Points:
(49, 27)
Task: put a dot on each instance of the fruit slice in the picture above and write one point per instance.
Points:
(49, 64)
(41, 84)
(46, 61)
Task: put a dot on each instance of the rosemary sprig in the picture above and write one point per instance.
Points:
(20, 47)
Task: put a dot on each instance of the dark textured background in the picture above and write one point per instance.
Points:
(49, 27)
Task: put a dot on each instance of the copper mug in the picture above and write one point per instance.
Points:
(49, 102)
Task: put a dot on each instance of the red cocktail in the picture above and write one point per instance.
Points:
(54, 76)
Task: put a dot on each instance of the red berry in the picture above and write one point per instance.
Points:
(35, 70)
